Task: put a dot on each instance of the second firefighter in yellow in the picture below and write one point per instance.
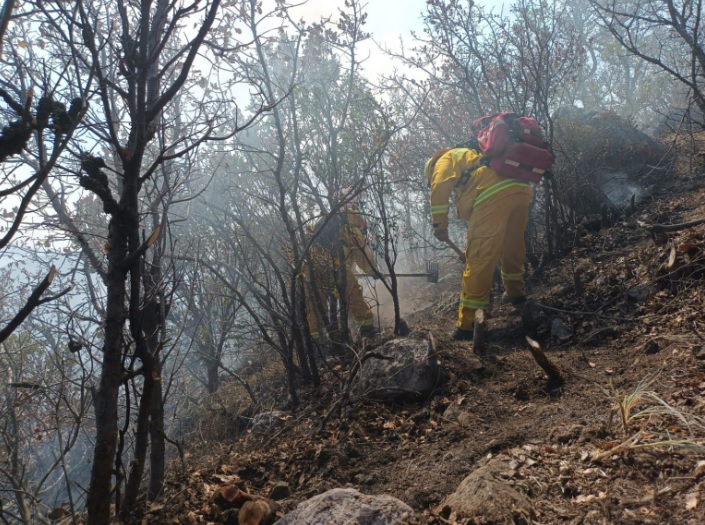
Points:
(333, 272)
(497, 211)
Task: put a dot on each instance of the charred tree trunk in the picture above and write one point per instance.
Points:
(137, 465)
(300, 320)
(343, 302)
(147, 33)
(288, 357)
(297, 336)
(157, 452)
(212, 374)
(105, 397)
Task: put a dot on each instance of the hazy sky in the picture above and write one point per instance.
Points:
(387, 20)
(384, 16)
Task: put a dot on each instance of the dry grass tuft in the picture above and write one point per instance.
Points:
(648, 421)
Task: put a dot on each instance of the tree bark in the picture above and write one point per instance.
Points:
(105, 398)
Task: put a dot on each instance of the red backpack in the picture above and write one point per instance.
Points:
(515, 145)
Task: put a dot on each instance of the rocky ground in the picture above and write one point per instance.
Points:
(622, 441)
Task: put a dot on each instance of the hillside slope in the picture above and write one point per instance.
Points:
(629, 332)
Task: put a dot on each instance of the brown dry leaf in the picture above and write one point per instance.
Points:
(691, 501)
(225, 479)
(155, 507)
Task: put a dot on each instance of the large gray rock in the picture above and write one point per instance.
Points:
(602, 158)
(409, 370)
(350, 507)
(486, 496)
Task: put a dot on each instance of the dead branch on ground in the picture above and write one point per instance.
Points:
(551, 370)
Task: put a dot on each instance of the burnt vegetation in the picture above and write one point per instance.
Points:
(167, 169)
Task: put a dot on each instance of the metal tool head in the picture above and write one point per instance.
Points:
(432, 271)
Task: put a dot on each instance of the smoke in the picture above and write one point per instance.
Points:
(416, 294)
(618, 187)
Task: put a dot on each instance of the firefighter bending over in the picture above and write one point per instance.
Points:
(497, 211)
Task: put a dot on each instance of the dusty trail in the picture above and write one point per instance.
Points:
(568, 452)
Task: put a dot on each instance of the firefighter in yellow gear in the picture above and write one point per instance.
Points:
(497, 211)
(333, 266)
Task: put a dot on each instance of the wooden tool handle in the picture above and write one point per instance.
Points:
(457, 250)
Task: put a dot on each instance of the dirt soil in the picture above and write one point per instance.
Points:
(621, 441)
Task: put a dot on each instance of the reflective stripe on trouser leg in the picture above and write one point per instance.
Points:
(513, 284)
(514, 248)
(359, 308)
(466, 311)
(477, 282)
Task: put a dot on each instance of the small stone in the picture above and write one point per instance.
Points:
(560, 331)
(699, 352)
(642, 292)
(280, 491)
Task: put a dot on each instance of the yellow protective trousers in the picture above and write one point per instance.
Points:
(326, 288)
(495, 233)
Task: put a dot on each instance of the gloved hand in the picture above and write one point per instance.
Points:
(441, 234)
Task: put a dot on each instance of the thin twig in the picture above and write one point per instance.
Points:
(589, 314)
(664, 228)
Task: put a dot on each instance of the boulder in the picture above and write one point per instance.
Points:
(350, 507)
(486, 496)
(602, 158)
(409, 370)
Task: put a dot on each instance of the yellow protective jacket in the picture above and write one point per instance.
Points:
(354, 239)
(457, 171)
